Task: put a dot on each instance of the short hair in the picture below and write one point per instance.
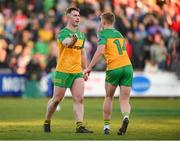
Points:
(108, 17)
(69, 10)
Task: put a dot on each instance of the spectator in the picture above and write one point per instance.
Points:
(20, 20)
(121, 23)
(14, 57)
(48, 4)
(46, 33)
(4, 67)
(9, 25)
(23, 60)
(2, 21)
(137, 51)
(33, 77)
(33, 24)
(158, 51)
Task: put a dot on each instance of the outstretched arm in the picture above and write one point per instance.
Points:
(99, 52)
(70, 41)
(84, 58)
(84, 63)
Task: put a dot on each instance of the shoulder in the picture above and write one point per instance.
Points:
(116, 32)
(63, 30)
(105, 32)
(62, 33)
(101, 34)
(81, 35)
(102, 37)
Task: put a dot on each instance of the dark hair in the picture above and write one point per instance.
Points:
(108, 17)
(69, 10)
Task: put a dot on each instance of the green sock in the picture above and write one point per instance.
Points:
(78, 124)
(125, 115)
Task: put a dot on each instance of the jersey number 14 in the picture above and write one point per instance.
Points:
(119, 47)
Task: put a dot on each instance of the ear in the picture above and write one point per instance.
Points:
(103, 23)
(68, 15)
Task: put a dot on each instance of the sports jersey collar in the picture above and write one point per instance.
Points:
(109, 28)
(71, 30)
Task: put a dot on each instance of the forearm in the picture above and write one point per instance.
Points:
(70, 41)
(84, 59)
(95, 59)
(66, 42)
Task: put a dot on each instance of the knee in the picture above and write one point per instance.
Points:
(55, 103)
(124, 98)
(125, 95)
(78, 99)
(56, 100)
(109, 97)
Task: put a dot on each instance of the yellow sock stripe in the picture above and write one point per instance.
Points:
(79, 124)
(47, 122)
(125, 114)
(106, 122)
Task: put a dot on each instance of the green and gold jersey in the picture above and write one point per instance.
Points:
(69, 59)
(115, 51)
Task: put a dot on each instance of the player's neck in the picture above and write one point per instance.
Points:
(72, 28)
(108, 26)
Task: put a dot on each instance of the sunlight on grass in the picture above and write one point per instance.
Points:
(150, 119)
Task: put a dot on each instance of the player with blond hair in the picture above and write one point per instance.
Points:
(119, 71)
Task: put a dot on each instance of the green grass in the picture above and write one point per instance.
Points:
(22, 119)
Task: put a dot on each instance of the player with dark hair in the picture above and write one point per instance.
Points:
(71, 61)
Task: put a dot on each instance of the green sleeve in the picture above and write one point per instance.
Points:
(101, 39)
(62, 35)
(84, 38)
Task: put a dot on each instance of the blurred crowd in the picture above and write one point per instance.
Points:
(28, 31)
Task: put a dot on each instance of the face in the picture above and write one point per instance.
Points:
(157, 38)
(74, 18)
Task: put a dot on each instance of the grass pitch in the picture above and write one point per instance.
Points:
(22, 119)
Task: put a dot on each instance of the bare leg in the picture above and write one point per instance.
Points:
(107, 106)
(77, 91)
(54, 101)
(124, 100)
(125, 108)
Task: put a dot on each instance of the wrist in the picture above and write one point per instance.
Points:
(89, 68)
